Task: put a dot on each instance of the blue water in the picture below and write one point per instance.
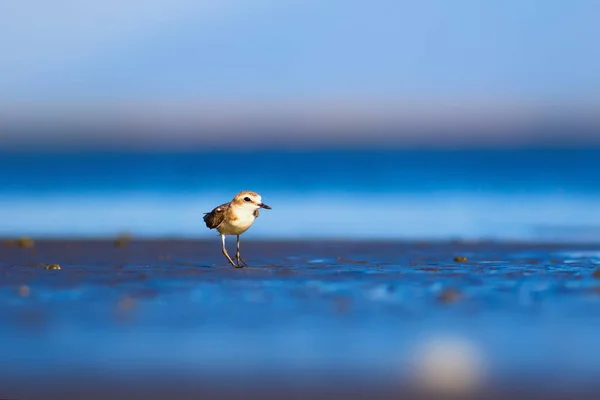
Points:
(152, 313)
(544, 194)
(368, 309)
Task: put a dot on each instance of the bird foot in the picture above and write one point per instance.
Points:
(240, 261)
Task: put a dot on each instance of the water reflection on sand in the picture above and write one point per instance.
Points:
(366, 311)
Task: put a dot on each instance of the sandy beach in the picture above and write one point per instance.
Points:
(169, 318)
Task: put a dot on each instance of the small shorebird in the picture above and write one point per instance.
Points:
(234, 218)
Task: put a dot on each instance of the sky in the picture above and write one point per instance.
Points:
(141, 50)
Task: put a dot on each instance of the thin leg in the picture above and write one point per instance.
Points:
(238, 256)
(225, 251)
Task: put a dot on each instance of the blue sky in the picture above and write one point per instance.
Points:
(272, 49)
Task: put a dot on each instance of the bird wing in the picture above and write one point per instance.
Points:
(216, 216)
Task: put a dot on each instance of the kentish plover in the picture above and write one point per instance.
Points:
(234, 218)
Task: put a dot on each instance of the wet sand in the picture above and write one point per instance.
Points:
(170, 319)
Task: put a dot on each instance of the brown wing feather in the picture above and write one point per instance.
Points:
(216, 216)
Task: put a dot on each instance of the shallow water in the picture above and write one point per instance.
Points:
(364, 312)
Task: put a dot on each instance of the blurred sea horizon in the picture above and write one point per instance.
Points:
(366, 120)
(424, 194)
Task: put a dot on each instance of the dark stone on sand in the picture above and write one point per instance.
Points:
(122, 240)
(24, 242)
(24, 291)
(449, 295)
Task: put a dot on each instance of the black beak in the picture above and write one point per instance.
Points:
(263, 205)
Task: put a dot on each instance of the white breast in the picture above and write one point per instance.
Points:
(243, 220)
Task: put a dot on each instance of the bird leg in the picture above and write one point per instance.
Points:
(238, 255)
(225, 252)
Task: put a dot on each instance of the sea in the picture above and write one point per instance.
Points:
(475, 194)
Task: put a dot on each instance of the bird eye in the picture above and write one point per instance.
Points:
(246, 198)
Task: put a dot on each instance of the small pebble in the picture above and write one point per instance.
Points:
(126, 303)
(21, 242)
(460, 259)
(53, 267)
(24, 291)
(448, 296)
(449, 368)
(123, 240)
